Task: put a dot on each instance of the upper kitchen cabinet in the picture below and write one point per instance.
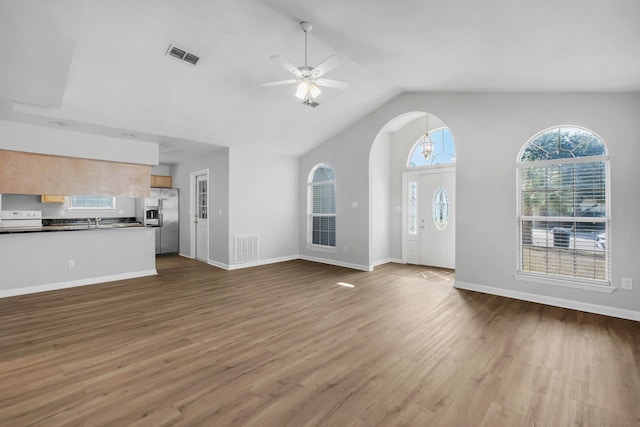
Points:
(32, 173)
(50, 198)
(161, 181)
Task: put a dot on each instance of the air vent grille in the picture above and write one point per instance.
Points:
(182, 55)
(246, 248)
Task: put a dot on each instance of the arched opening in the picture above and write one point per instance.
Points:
(412, 198)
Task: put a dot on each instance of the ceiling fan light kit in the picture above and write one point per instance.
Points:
(308, 78)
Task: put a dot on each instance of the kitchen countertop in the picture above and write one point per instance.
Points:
(75, 225)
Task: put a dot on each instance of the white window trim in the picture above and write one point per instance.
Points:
(310, 184)
(596, 286)
(604, 286)
(91, 209)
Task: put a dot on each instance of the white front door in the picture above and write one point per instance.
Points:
(202, 217)
(437, 219)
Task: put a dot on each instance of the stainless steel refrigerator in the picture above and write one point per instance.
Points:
(161, 210)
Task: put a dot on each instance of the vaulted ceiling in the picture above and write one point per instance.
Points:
(100, 66)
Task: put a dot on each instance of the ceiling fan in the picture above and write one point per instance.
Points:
(308, 78)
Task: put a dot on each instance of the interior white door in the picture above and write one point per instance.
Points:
(436, 195)
(202, 217)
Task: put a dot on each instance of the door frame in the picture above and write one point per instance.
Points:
(192, 204)
(414, 174)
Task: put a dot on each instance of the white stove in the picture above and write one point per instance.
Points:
(20, 220)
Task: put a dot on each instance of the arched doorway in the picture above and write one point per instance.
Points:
(429, 195)
(392, 165)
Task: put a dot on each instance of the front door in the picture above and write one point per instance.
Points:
(437, 219)
(202, 217)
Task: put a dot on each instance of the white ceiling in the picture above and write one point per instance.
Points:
(100, 66)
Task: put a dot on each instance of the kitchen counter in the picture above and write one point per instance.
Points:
(76, 227)
(42, 261)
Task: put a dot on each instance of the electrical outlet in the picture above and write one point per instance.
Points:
(71, 263)
(627, 283)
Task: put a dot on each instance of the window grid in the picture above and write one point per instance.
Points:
(563, 207)
(322, 207)
(92, 202)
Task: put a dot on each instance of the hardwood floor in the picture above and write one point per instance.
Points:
(283, 345)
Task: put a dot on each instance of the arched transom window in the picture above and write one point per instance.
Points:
(563, 212)
(444, 151)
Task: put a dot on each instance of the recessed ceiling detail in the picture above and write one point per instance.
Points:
(182, 55)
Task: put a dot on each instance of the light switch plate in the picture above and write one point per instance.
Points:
(627, 283)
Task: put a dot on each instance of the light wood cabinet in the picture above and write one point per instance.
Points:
(49, 198)
(161, 181)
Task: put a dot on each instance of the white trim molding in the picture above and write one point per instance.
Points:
(252, 264)
(386, 261)
(553, 301)
(74, 283)
(337, 263)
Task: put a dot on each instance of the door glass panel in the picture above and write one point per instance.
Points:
(202, 199)
(440, 208)
(413, 208)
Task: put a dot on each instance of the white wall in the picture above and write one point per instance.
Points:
(263, 198)
(38, 261)
(381, 193)
(218, 164)
(64, 142)
(489, 129)
(348, 155)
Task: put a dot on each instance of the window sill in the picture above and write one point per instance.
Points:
(534, 278)
(325, 249)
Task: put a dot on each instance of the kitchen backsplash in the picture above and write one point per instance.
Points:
(125, 207)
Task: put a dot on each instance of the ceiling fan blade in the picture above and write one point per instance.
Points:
(280, 82)
(327, 65)
(287, 65)
(338, 84)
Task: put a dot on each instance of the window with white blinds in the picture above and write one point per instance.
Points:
(563, 206)
(322, 208)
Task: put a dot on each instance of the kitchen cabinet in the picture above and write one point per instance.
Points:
(49, 198)
(161, 181)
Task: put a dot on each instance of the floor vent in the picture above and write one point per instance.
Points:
(182, 55)
(246, 248)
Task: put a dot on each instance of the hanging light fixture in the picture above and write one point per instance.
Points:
(427, 143)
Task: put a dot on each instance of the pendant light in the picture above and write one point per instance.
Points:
(427, 143)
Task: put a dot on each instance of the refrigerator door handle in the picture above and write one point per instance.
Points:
(160, 212)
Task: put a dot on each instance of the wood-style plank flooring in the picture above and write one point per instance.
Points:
(283, 345)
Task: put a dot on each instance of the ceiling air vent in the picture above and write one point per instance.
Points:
(182, 55)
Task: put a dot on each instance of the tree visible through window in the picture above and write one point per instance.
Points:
(322, 206)
(563, 214)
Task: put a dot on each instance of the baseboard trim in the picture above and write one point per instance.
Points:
(387, 261)
(337, 263)
(218, 264)
(553, 301)
(75, 283)
(252, 264)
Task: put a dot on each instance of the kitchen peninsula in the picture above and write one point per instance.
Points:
(41, 260)
(35, 161)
